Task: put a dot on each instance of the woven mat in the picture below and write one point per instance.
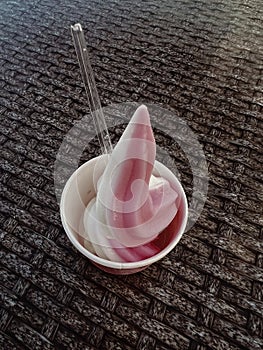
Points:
(199, 59)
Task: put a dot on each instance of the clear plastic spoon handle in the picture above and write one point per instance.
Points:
(91, 89)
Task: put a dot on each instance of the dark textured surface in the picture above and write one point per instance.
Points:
(200, 59)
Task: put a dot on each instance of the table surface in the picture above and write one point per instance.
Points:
(202, 61)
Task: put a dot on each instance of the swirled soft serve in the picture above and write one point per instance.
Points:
(132, 205)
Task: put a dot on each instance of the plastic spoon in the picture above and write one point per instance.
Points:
(91, 89)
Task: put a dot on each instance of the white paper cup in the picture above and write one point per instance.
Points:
(77, 193)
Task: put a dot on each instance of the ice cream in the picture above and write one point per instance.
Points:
(132, 206)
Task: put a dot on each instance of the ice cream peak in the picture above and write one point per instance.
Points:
(132, 206)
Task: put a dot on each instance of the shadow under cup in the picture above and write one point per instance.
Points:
(77, 193)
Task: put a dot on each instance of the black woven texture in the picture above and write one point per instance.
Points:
(201, 60)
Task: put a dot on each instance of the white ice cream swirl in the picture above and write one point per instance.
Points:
(132, 206)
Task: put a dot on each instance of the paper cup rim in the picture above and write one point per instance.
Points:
(115, 264)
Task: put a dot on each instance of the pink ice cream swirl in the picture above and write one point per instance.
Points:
(132, 206)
